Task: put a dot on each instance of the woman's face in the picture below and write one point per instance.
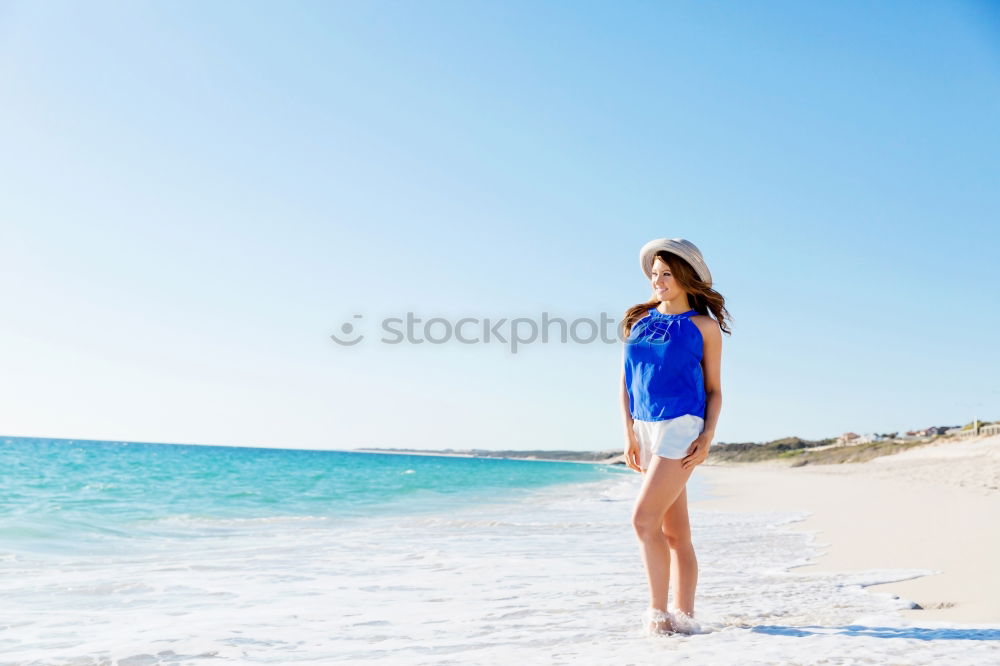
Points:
(665, 287)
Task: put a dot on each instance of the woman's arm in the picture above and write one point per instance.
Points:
(711, 362)
(623, 398)
(626, 412)
(631, 442)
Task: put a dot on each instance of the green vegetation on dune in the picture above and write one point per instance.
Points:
(798, 452)
(754, 452)
(815, 453)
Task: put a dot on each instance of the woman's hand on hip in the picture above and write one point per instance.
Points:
(697, 453)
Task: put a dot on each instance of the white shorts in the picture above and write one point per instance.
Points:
(668, 439)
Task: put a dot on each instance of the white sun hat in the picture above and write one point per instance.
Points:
(684, 249)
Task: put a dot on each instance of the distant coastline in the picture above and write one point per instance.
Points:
(790, 451)
(603, 457)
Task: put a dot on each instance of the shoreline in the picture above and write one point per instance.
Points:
(930, 508)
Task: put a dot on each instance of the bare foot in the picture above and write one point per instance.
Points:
(683, 622)
(658, 622)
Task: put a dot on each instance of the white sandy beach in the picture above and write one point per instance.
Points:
(935, 507)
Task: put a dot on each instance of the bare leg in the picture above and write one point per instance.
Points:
(683, 562)
(663, 483)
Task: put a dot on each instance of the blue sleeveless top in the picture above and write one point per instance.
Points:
(663, 371)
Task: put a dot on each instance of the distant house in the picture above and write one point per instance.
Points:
(848, 438)
(931, 431)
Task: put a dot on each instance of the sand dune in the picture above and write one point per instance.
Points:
(935, 507)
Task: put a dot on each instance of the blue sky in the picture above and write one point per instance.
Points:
(194, 196)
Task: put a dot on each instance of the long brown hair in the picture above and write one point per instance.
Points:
(701, 297)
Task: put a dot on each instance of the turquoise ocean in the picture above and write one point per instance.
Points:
(76, 496)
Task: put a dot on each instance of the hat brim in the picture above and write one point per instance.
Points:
(686, 250)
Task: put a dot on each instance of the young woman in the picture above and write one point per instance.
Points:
(671, 397)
